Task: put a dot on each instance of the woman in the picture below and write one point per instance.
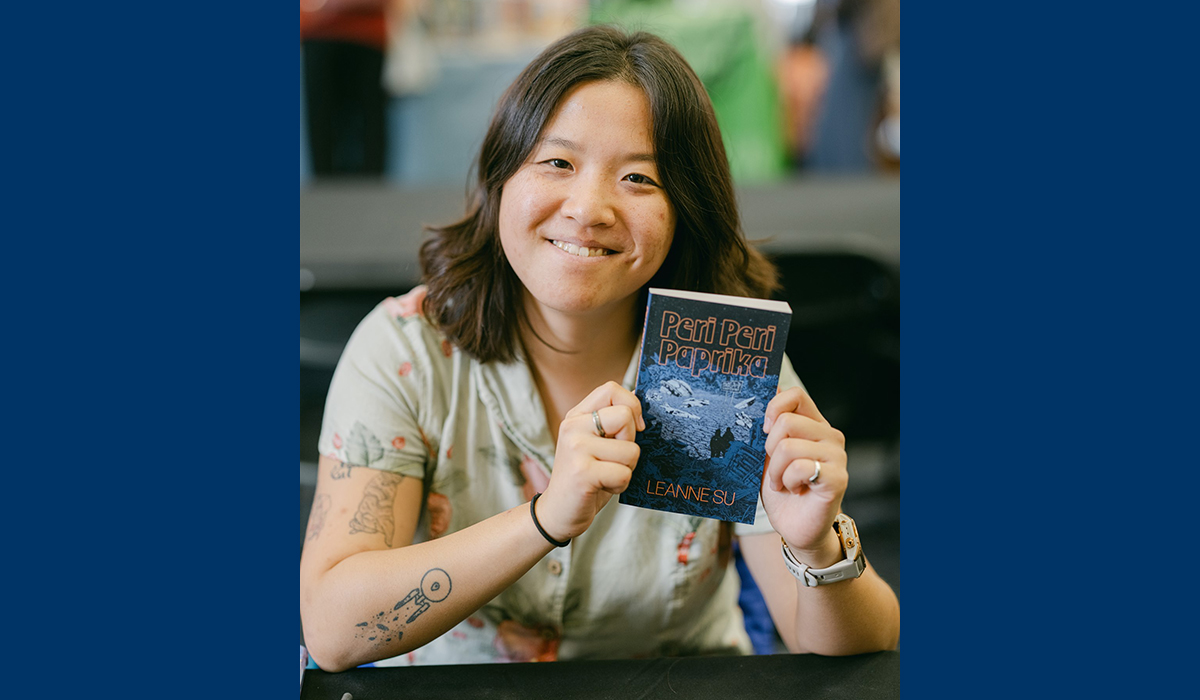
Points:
(602, 173)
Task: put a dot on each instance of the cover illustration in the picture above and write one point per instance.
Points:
(709, 365)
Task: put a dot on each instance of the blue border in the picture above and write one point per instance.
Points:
(1046, 301)
(153, 219)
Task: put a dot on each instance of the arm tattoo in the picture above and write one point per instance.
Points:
(316, 519)
(387, 626)
(341, 470)
(375, 511)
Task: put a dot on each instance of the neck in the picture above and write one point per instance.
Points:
(572, 354)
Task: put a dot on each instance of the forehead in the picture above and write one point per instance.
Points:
(603, 106)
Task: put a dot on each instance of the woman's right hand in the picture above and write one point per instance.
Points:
(589, 469)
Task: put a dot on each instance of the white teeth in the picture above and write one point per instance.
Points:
(581, 252)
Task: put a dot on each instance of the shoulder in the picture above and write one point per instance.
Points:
(406, 306)
(396, 350)
(397, 326)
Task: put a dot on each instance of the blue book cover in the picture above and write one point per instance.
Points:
(709, 365)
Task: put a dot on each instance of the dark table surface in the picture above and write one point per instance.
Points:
(796, 677)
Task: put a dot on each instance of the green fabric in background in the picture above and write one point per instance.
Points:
(723, 46)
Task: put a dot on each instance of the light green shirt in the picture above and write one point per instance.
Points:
(638, 583)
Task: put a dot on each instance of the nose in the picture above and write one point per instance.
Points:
(589, 203)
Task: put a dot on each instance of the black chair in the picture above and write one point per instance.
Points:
(845, 339)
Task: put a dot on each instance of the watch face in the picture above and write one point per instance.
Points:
(848, 534)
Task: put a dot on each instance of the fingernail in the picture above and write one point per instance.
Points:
(766, 425)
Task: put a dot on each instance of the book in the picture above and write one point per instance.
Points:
(709, 365)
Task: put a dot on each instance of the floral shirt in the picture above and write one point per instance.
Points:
(638, 583)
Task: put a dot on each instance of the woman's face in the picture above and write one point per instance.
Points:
(585, 222)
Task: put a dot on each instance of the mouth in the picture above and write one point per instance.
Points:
(581, 251)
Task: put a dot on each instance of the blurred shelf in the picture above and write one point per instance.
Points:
(356, 235)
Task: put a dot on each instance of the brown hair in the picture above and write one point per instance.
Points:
(474, 297)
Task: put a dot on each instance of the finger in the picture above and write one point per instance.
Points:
(620, 451)
(611, 476)
(793, 449)
(794, 425)
(617, 422)
(797, 473)
(794, 400)
(798, 476)
(610, 394)
(579, 435)
(624, 398)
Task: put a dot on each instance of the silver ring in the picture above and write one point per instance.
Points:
(599, 428)
(813, 479)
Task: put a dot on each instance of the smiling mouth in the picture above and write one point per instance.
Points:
(580, 250)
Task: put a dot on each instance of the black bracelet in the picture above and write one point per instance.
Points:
(549, 539)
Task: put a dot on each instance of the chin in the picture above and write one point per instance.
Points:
(555, 299)
(570, 305)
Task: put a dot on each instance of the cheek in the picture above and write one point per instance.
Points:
(513, 219)
(525, 198)
(661, 231)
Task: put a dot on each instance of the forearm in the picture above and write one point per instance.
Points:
(377, 604)
(853, 616)
(850, 617)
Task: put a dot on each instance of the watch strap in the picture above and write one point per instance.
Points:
(851, 567)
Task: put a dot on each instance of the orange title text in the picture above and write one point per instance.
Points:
(703, 345)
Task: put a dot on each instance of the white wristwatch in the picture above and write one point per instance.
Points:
(851, 567)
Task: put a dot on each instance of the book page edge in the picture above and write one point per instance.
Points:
(763, 304)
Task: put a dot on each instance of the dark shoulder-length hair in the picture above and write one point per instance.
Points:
(474, 297)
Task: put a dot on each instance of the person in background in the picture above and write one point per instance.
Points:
(803, 75)
(344, 44)
(477, 428)
(858, 38)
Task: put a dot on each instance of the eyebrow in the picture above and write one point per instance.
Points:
(572, 146)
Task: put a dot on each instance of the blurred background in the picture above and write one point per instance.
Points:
(397, 94)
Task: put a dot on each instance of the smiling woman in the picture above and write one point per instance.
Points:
(677, 154)
(477, 427)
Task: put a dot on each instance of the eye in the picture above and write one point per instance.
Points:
(557, 163)
(640, 179)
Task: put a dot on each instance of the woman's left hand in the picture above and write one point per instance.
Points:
(802, 511)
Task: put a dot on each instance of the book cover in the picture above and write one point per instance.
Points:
(709, 365)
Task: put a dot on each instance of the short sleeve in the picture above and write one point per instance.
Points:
(380, 409)
(762, 525)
